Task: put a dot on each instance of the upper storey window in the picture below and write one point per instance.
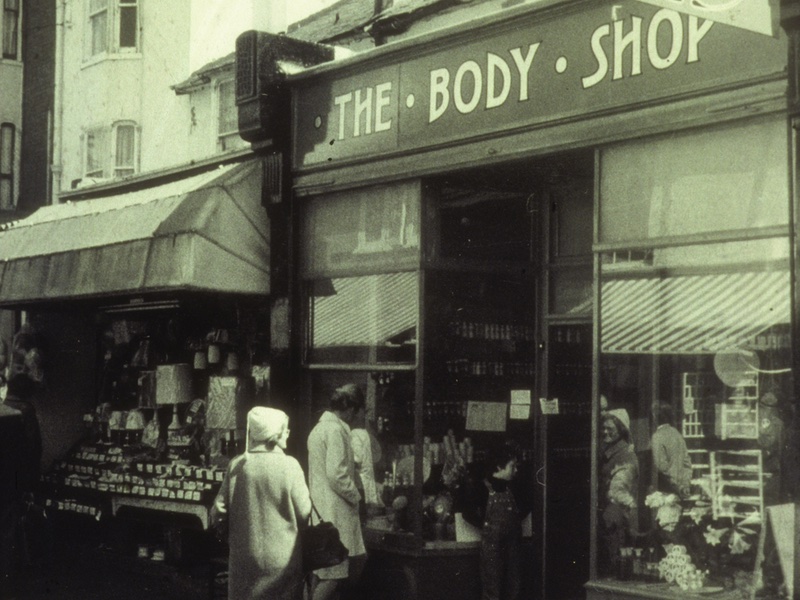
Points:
(113, 26)
(10, 28)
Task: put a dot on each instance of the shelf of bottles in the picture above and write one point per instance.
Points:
(483, 349)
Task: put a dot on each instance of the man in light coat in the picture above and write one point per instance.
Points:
(331, 476)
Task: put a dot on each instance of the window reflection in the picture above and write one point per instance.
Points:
(363, 320)
(696, 363)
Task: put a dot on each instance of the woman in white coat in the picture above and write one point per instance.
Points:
(265, 501)
(331, 476)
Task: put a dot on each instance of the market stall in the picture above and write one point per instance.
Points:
(149, 304)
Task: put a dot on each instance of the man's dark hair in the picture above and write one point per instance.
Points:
(347, 396)
(665, 414)
(21, 386)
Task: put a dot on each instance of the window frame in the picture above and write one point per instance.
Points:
(120, 7)
(15, 32)
(92, 15)
(112, 36)
(106, 151)
(115, 166)
(11, 161)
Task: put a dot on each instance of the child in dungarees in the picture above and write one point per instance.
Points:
(499, 517)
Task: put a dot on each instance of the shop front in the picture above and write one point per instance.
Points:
(144, 322)
(508, 229)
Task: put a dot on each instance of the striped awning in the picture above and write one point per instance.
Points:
(365, 311)
(694, 314)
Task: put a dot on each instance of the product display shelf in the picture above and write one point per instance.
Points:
(737, 417)
(737, 483)
(98, 477)
(697, 396)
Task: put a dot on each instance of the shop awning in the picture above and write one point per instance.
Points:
(206, 232)
(691, 314)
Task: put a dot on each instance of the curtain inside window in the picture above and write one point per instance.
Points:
(98, 11)
(126, 138)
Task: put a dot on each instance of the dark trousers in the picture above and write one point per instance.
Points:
(500, 569)
(500, 549)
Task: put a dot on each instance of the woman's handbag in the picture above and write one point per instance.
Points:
(321, 545)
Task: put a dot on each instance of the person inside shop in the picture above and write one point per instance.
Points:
(619, 475)
(263, 502)
(364, 444)
(492, 505)
(670, 455)
(331, 476)
(21, 453)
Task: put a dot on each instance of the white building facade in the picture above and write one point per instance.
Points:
(117, 114)
(10, 101)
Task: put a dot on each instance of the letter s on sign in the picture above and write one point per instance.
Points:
(600, 57)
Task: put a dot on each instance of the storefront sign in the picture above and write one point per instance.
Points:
(535, 72)
(760, 16)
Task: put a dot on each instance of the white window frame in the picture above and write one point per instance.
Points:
(17, 55)
(11, 161)
(120, 7)
(93, 14)
(133, 167)
(113, 11)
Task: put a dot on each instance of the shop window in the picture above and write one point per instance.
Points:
(11, 25)
(362, 232)
(228, 137)
(696, 363)
(727, 179)
(7, 145)
(113, 26)
(483, 225)
(363, 320)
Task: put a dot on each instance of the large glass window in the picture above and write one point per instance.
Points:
(730, 178)
(365, 231)
(695, 370)
(359, 248)
(363, 320)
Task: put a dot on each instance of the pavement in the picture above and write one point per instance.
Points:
(85, 566)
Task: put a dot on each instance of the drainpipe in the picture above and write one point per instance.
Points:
(58, 103)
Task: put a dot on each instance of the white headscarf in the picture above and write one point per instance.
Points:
(265, 424)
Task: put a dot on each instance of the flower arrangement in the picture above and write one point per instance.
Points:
(700, 546)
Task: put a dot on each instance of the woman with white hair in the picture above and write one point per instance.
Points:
(619, 480)
(265, 501)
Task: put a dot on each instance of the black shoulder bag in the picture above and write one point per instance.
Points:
(321, 545)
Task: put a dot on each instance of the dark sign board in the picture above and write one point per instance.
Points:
(537, 68)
